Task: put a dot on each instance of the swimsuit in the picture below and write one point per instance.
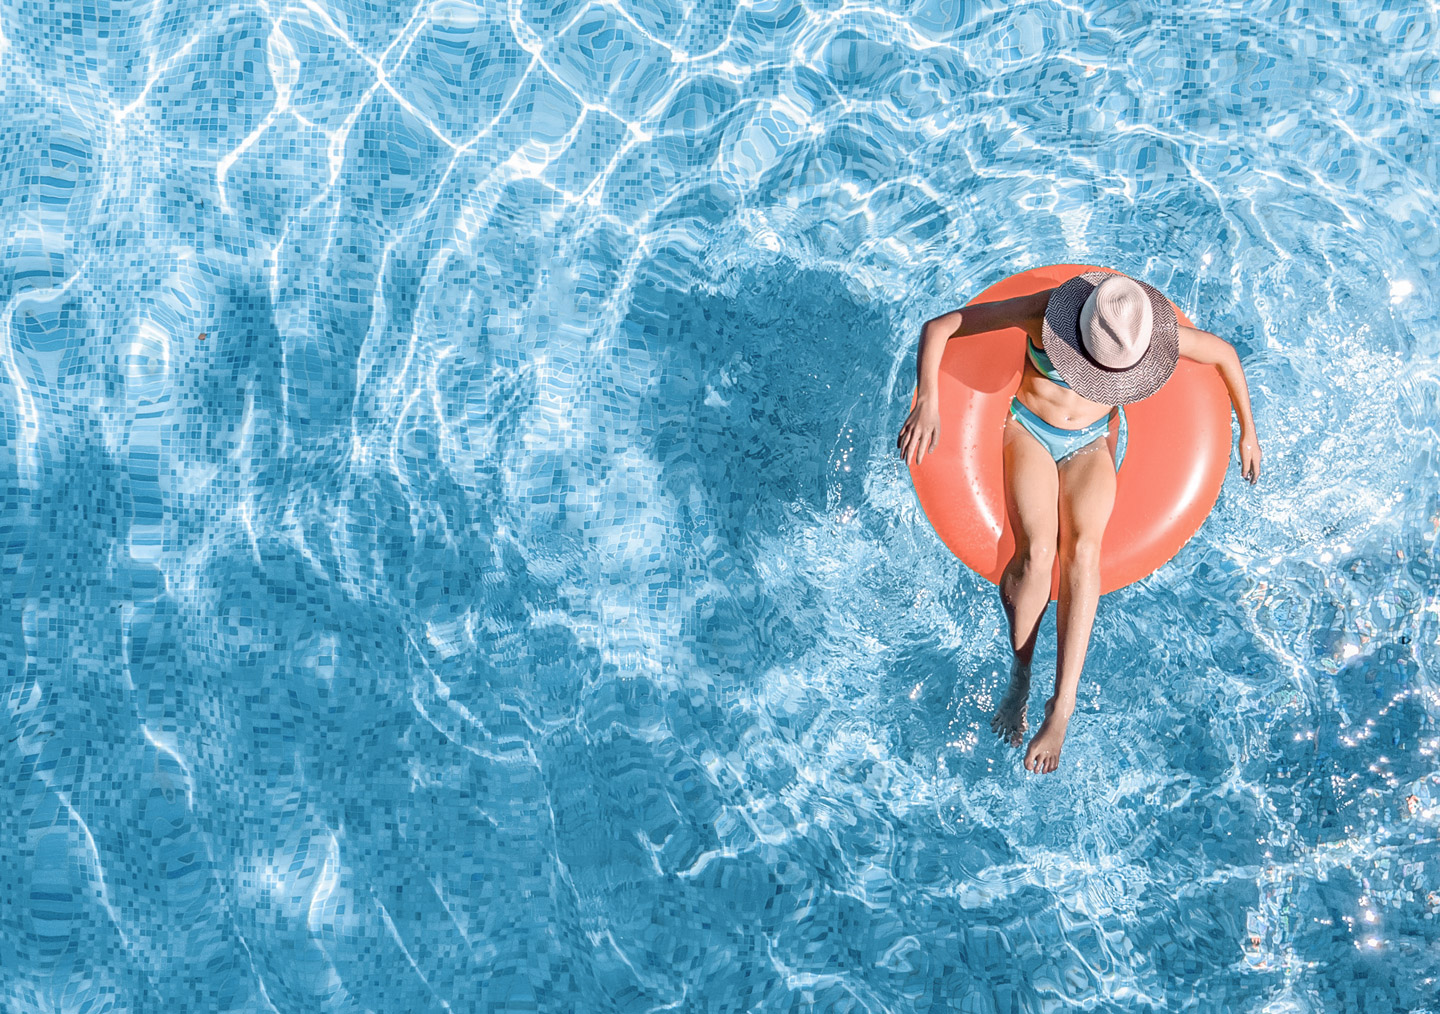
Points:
(1061, 442)
(1042, 363)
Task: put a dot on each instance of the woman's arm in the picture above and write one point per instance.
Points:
(921, 431)
(977, 318)
(1212, 350)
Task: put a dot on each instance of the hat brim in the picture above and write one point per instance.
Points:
(1060, 337)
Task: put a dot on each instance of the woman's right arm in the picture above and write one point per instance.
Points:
(921, 431)
(933, 339)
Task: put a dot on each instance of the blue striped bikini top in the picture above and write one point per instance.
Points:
(1042, 363)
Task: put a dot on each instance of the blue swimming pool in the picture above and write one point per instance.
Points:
(456, 557)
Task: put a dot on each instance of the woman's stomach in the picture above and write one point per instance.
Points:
(1058, 406)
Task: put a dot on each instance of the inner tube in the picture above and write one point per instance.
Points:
(1175, 459)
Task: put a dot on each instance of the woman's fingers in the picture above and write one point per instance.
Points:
(1249, 460)
(907, 435)
(916, 440)
(928, 439)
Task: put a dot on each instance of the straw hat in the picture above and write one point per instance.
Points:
(1114, 339)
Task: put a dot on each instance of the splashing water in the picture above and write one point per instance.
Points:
(457, 557)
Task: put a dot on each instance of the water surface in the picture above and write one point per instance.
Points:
(457, 559)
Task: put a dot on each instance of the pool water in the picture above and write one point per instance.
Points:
(457, 559)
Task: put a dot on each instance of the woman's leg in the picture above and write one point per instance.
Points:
(1087, 494)
(1031, 490)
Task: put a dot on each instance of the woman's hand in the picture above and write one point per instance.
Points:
(1249, 447)
(921, 431)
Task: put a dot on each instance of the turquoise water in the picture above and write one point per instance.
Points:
(457, 560)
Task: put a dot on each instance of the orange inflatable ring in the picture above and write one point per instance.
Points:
(1175, 460)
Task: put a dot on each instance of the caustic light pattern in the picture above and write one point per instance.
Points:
(455, 555)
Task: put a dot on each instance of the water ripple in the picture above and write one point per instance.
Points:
(458, 556)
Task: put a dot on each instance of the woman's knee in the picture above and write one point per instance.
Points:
(1036, 556)
(1082, 549)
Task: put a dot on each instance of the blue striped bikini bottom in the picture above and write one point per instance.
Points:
(1061, 443)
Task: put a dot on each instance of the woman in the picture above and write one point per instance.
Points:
(1095, 343)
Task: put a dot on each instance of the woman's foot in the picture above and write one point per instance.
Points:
(1010, 722)
(1043, 754)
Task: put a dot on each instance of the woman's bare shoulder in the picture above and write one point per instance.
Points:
(1203, 346)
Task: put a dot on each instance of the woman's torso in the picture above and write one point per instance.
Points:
(1057, 405)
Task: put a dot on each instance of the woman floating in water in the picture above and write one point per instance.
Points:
(1096, 342)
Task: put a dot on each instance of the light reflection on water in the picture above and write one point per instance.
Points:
(514, 601)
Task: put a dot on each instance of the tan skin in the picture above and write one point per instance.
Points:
(1056, 509)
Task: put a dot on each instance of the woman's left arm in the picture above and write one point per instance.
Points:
(1204, 347)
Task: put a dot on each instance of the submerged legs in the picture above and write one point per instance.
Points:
(1066, 506)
